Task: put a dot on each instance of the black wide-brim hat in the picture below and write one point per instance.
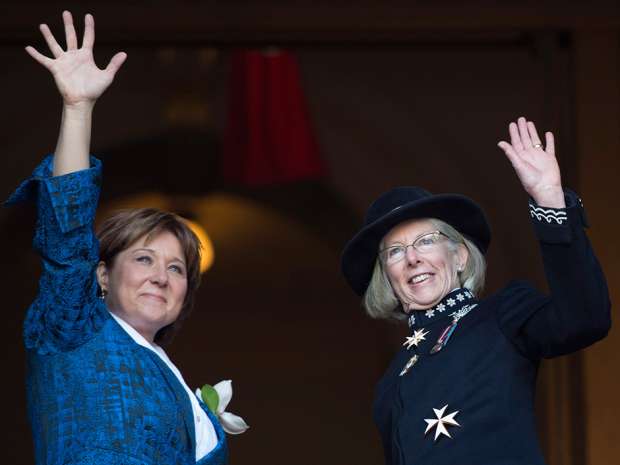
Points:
(402, 204)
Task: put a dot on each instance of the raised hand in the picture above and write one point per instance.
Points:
(535, 165)
(77, 77)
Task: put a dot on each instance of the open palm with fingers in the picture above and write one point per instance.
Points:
(77, 77)
(535, 165)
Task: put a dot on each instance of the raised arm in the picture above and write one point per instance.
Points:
(577, 313)
(66, 311)
(80, 83)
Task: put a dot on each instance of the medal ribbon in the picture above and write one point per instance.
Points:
(461, 301)
(446, 333)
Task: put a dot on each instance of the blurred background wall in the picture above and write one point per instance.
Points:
(397, 93)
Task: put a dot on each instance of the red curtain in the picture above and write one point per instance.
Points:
(269, 137)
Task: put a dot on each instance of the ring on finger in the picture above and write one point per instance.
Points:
(537, 146)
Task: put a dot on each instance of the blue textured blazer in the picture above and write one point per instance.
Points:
(94, 395)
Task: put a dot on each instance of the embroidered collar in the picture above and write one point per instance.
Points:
(456, 302)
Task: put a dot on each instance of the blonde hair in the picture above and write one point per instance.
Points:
(380, 300)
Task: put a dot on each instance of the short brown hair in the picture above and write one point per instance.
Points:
(121, 230)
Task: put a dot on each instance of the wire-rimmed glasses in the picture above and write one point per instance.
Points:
(424, 243)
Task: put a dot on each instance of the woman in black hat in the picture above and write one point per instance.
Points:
(461, 389)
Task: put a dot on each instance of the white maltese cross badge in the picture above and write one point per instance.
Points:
(441, 421)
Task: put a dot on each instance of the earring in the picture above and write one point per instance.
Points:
(102, 294)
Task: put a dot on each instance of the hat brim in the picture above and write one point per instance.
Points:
(460, 212)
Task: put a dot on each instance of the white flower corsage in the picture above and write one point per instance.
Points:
(216, 399)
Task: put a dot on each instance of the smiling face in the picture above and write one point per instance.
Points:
(421, 280)
(147, 283)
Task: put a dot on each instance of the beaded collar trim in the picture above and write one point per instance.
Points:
(453, 303)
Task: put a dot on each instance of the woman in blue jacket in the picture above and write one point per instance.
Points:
(101, 390)
(461, 388)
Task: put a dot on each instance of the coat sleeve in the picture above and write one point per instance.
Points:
(577, 311)
(66, 311)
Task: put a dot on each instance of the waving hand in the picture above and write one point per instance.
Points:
(81, 83)
(77, 77)
(535, 165)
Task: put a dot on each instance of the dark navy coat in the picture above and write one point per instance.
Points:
(487, 370)
(94, 395)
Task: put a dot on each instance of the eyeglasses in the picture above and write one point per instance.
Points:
(425, 243)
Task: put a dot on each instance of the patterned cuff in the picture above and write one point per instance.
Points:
(27, 190)
(558, 225)
(72, 197)
(550, 215)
